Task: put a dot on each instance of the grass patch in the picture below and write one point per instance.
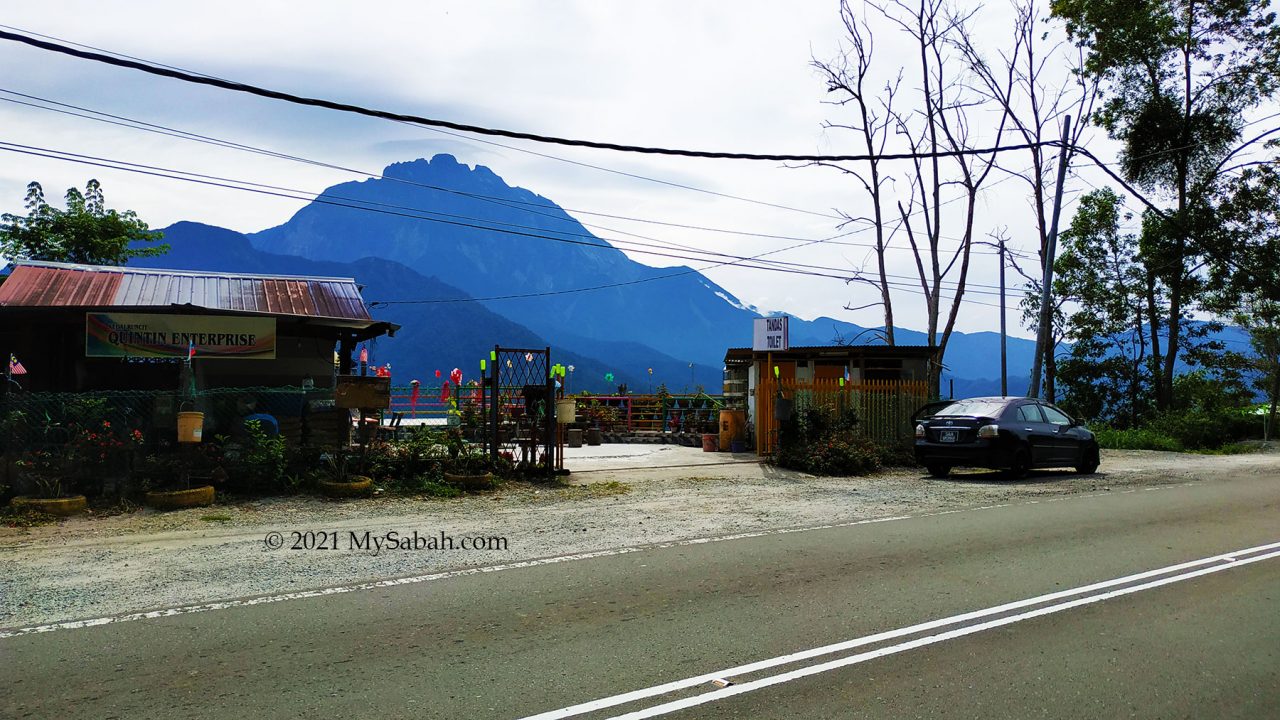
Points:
(430, 488)
(1237, 448)
(216, 518)
(611, 488)
(1135, 439)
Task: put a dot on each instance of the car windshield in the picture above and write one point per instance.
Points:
(973, 408)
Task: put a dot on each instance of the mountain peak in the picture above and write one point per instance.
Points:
(442, 165)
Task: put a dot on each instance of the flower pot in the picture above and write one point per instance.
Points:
(470, 482)
(63, 506)
(175, 499)
(358, 485)
(710, 442)
(574, 436)
(594, 436)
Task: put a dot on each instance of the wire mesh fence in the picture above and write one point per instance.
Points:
(39, 420)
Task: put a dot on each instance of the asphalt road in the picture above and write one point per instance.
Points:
(532, 640)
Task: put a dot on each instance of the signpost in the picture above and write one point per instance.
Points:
(771, 334)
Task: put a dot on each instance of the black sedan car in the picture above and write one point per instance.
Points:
(1002, 433)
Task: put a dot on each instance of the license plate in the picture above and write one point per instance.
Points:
(947, 436)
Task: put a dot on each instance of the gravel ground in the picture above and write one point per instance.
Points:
(619, 496)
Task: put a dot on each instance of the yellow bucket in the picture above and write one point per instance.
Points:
(190, 427)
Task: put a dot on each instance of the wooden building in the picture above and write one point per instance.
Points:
(744, 367)
(81, 327)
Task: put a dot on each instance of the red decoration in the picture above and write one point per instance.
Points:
(444, 392)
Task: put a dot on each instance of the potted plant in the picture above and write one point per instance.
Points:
(102, 454)
(50, 492)
(168, 480)
(345, 475)
(256, 458)
(467, 466)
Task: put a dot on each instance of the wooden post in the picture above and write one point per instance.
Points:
(1004, 359)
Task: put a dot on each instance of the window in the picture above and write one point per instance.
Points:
(973, 408)
(1055, 416)
(1029, 413)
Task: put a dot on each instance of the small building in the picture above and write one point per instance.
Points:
(79, 328)
(744, 367)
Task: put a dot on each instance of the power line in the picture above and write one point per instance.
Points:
(368, 206)
(401, 211)
(135, 124)
(626, 245)
(601, 168)
(374, 206)
(185, 76)
(513, 148)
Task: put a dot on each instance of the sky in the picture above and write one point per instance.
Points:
(707, 76)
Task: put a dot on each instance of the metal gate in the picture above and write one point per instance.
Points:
(521, 408)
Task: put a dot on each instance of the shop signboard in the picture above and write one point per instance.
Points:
(154, 335)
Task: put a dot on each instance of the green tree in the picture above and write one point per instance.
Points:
(1178, 77)
(85, 232)
(1262, 320)
(1253, 215)
(1108, 372)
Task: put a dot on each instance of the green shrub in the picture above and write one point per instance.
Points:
(824, 441)
(1207, 429)
(1134, 439)
(262, 457)
(1183, 430)
(899, 454)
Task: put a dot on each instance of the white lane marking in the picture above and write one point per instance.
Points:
(921, 642)
(414, 580)
(673, 686)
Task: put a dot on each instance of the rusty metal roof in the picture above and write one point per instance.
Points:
(47, 284)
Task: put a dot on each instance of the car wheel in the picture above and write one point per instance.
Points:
(1019, 465)
(939, 471)
(1089, 461)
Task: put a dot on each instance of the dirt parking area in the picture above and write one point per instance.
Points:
(618, 496)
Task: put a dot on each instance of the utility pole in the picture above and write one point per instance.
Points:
(1004, 357)
(1044, 337)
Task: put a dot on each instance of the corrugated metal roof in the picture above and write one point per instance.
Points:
(835, 351)
(44, 284)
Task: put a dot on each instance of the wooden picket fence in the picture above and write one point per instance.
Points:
(884, 407)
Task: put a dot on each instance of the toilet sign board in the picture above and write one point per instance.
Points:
(770, 334)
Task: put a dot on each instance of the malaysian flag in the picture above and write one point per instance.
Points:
(15, 367)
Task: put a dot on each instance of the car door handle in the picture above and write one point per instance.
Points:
(1028, 429)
